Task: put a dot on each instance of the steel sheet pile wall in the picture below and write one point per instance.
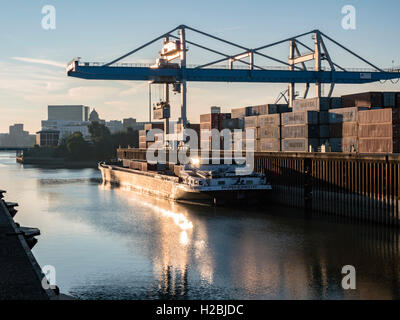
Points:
(285, 175)
(357, 187)
(378, 131)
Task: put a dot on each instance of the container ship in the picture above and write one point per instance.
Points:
(195, 182)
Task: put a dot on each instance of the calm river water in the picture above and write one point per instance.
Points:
(116, 244)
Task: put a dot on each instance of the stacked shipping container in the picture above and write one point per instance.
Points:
(343, 127)
(378, 131)
(269, 133)
(300, 131)
(212, 121)
(143, 142)
(365, 99)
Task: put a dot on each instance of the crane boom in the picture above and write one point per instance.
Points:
(171, 75)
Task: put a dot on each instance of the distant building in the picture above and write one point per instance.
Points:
(94, 116)
(47, 138)
(66, 128)
(115, 126)
(17, 137)
(67, 119)
(68, 112)
(132, 123)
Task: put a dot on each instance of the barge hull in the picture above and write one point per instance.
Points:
(168, 187)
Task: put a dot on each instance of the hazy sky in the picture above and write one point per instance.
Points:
(32, 60)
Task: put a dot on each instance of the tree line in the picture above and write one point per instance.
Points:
(102, 145)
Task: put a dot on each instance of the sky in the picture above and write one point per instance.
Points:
(33, 60)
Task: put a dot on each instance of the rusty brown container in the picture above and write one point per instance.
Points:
(269, 132)
(312, 104)
(268, 145)
(379, 116)
(209, 117)
(345, 129)
(364, 99)
(300, 131)
(378, 145)
(149, 126)
(269, 120)
(299, 145)
(302, 117)
(258, 110)
(251, 122)
(343, 115)
(380, 130)
(238, 112)
(206, 126)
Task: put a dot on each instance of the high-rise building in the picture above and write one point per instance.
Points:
(68, 112)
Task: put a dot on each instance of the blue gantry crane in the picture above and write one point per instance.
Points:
(294, 71)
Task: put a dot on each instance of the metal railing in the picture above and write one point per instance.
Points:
(223, 66)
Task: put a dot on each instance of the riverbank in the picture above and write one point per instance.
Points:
(56, 162)
(20, 274)
(48, 157)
